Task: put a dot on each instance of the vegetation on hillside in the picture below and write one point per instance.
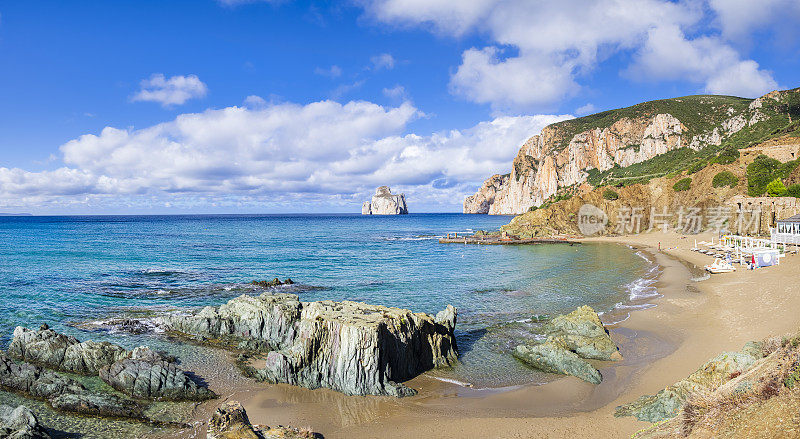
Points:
(725, 178)
(682, 185)
(610, 194)
(764, 171)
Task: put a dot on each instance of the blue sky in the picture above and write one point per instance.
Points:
(283, 106)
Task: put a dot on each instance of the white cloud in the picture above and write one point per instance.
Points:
(323, 153)
(739, 18)
(538, 51)
(668, 55)
(333, 71)
(396, 92)
(585, 109)
(174, 90)
(382, 61)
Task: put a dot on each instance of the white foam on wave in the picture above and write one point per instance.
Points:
(411, 238)
(453, 381)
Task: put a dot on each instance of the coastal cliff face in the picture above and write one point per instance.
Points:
(565, 154)
(385, 203)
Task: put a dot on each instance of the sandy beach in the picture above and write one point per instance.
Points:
(691, 322)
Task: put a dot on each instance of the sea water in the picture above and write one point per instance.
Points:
(65, 271)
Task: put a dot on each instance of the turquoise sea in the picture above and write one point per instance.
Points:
(69, 270)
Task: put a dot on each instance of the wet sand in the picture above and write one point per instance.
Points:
(692, 322)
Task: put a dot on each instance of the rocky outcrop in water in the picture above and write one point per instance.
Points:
(582, 332)
(62, 392)
(61, 352)
(145, 374)
(385, 203)
(351, 347)
(668, 401)
(20, 423)
(554, 358)
(230, 421)
(571, 339)
(141, 373)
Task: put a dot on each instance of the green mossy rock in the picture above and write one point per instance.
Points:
(582, 332)
(554, 358)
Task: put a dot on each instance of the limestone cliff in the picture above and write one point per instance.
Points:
(385, 203)
(566, 153)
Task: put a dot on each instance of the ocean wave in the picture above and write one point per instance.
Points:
(412, 238)
(452, 381)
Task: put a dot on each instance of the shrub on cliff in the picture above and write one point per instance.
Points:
(763, 171)
(793, 191)
(776, 188)
(725, 178)
(682, 185)
(697, 167)
(727, 156)
(610, 194)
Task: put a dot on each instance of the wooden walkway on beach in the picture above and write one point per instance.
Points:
(493, 240)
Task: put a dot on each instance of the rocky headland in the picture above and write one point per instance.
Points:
(571, 340)
(634, 145)
(385, 203)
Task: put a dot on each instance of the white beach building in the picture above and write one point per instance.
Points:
(786, 231)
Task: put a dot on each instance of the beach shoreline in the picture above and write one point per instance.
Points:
(690, 324)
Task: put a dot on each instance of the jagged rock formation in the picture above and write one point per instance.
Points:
(484, 198)
(20, 423)
(61, 392)
(230, 421)
(571, 339)
(61, 352)
(141, 373)
(351, 347)
(385, 203)
(564, 153)
(145, 374)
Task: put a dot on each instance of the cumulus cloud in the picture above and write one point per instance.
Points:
(175, 90)
(585, 109)
(739, 18)
(396, 92)
(382, 61)
(539, 50)
(323, 152)
(669, 55)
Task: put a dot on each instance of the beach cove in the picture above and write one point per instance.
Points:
(691, 322)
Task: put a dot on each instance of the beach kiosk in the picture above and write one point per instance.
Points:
(787, 231)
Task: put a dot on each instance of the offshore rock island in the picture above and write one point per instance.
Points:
(385, 203)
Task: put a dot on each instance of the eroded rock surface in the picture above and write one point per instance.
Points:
(230, 421)
(145, 374)
(582, 332)
(62, 392)
(553, 358)
(48, 348)
(20, 423)
(668, 401)
(351, 347)
(571, 339)
(385, 203)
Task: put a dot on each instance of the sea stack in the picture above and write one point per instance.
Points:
(385, 203)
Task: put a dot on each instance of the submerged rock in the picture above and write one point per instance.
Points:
(668, 401)
(351, 347)
(582, 332)
(553, 358)
(20, 423)
(272, 283)
(147, 375)
(61, 352)
(230, 421)
(98, 404)
(385, 203)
